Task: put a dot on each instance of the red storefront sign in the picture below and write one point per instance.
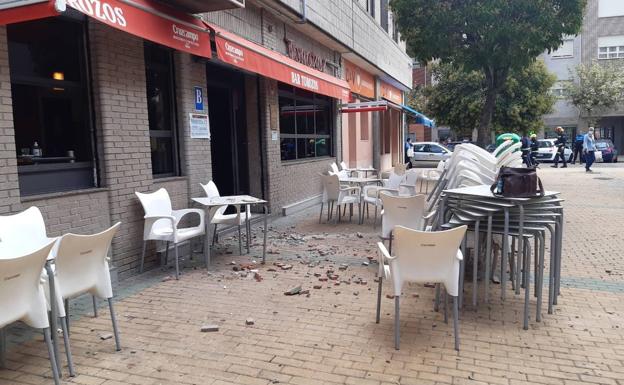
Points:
(147, 19)
(391, 93)
(360, 81)
(255, 58)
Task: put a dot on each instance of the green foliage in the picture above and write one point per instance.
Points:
(600, 87)
(456, 100)
(490, 36)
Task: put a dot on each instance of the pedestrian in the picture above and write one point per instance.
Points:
(534, 150)
(526, 150)
(589, 149)
(409, 152)
(560, 143)
(578, 148)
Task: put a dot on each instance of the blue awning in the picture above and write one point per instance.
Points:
(420, 118)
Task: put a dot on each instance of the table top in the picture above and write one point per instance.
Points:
(483, 191)
(229, 200)
(356, 179)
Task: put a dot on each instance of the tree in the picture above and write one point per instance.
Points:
(457, 99)
(493, 36)
(599, 88)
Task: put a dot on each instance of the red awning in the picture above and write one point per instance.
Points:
(252, 57)
(30, 11)
(147, 19)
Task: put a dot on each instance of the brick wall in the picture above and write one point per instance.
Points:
(9, 186)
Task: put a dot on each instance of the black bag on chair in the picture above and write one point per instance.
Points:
(514, 182)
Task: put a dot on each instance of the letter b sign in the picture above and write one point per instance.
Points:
(199, 99)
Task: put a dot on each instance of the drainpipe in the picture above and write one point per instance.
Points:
(304, 13)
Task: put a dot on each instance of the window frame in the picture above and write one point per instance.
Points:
(85, 83)
(563, 55)
(290, 92)
(617, 50)
(173, 133)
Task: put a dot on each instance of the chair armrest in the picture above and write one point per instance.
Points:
(379, 190)
(179, 214)
(430, 215)
(384, 252)
(459, 255)
(354, 188)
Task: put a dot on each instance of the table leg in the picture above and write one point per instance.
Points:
(504, 255)
(208, 240)
(53, 315)
(539, 280)
(520, 256)
(462, 272)
(475, 265)
(488, 258)
(558, 259)
(266, 230)
(527, 286)
(551, 269)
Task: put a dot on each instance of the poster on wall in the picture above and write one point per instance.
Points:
(200, 126)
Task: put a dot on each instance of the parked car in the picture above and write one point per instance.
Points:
(429, 154)
(609, 152)
(547, 151)
(451, 145)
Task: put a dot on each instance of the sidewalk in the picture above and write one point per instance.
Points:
(330, 335)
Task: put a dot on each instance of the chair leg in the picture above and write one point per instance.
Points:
(48, 341)
(114, 319)
(143, 256)
(456, 322)
(445, 294)
(66, 304)
(95, 311)
(247, 231)
(329, 210)
(350, 211)
(2, 348)
(397, 322)
(321, 213)
(214, 235)
(240, 241)
(375, 218)
(166, 253)
(377, 317)
(436, 302)
(70, 361)
(177, 263)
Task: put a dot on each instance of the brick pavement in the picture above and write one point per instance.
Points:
(331, 336)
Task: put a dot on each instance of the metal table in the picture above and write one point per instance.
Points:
(236, 201)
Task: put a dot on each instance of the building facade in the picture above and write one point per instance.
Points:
(601, 41)
(95, 109)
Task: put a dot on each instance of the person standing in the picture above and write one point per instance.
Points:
(589, 149)
(409, 152)
(526, 150)
(560, 143)
(534, 150)
(578, 148)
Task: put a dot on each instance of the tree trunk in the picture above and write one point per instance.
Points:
(484, 136)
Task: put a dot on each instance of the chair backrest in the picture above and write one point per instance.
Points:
(82, 264)
(156, 203)
(21, 294)
(25, 228)
(331, 186)
(334, 168)
(212, 191)
(411, 176)
(395, 180)
(343, 165)
(401, 211)
(428, 256)
(400, 168)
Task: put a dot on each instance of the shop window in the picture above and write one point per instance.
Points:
(161, 110)
(51, 106)
(306, 124)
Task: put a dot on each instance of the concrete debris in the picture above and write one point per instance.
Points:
(106, 336)
(294, 291)
(249, 321)
(209, 328)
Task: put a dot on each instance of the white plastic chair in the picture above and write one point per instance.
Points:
(407, 211)
(341, 173)
(21, 233)
(333, 192)
(161, 223)
(81, 267)
(344, 166)
(408, 187)
(371, 192)
(422, 257)
(218, 216)
(21, 294)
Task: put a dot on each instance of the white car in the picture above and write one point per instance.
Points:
(547, 151)
(429, 154)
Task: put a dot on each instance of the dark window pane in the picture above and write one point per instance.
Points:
(162, 155)
(323, 126)
(160, 107)
(48, 49)
(305, 147)
(323, 147)
(305, 118)
(287, 115)
(288, 149)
